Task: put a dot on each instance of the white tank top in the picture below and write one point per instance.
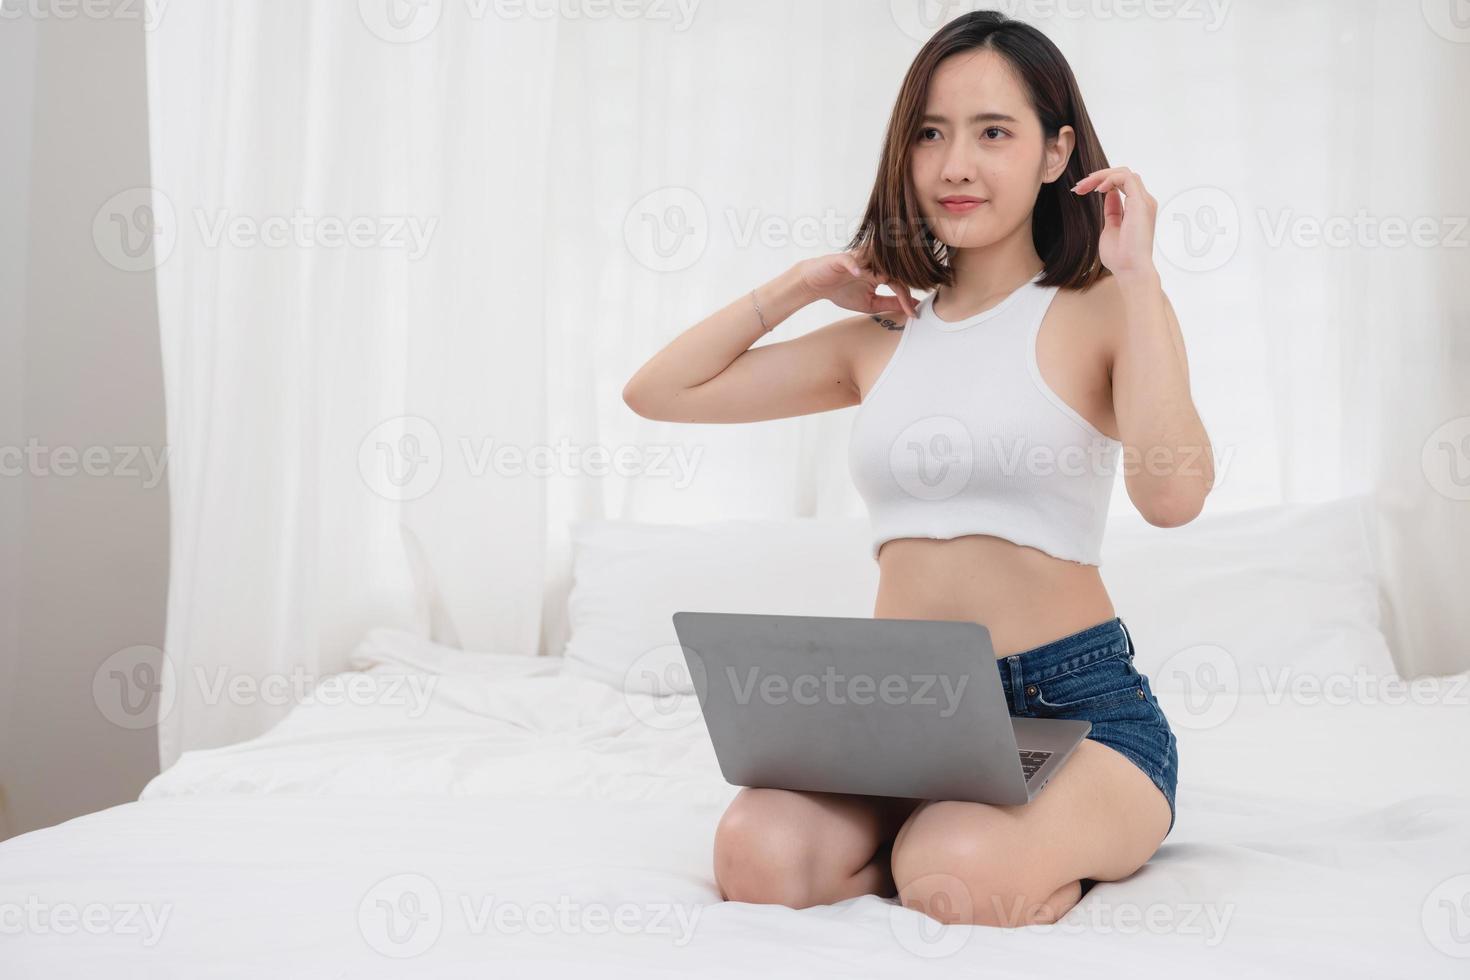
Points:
(961, 435)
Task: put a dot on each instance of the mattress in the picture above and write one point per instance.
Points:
(453, 815)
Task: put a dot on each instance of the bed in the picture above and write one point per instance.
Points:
(446, 813)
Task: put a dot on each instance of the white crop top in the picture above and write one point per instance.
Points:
(961, 435)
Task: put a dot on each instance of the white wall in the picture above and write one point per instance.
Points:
(83, 559)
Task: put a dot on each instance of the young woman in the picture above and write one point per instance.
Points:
(993, 416)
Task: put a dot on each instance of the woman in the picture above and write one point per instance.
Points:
(1004, 401)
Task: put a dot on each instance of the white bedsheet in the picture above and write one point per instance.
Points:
(530, 824)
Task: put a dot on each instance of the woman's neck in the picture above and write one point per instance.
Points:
(984, 275)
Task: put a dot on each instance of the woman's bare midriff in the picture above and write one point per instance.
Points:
(1023, 596)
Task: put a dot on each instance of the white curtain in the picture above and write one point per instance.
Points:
(409, 252)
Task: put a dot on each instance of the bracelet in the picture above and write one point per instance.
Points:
(758, 311)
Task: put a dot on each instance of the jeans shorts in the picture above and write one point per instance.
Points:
(1090, 675)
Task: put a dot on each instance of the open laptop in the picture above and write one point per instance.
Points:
(881, 707)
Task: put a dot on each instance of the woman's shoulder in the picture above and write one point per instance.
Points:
(1097, 298)
(1095, 309)
(1089, 320)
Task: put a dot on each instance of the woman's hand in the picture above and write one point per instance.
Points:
(846, 280)
(1126, 245)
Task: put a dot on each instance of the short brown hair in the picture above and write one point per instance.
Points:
(1065, 226)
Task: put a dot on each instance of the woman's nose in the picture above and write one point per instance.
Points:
(959, 167)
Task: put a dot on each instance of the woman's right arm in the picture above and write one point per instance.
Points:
(710, 372)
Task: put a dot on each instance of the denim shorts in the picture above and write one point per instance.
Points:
(1090, 675)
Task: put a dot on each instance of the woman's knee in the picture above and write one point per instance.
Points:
(763, 856)
(959, 864)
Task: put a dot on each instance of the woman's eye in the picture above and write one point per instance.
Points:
(924, 132)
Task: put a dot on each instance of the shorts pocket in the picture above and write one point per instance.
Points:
(1101, 684)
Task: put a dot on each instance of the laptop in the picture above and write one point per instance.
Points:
(907, 708)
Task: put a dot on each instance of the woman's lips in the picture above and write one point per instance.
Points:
(961, 207)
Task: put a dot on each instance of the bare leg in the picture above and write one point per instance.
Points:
(784, 847)
(1100, 819)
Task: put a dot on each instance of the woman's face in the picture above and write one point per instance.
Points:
(980, 138)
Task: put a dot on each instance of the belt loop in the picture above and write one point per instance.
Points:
(1018, 689)
(1127, 636)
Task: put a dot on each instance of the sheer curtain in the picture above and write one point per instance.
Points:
(410, 252)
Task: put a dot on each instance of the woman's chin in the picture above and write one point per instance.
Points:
(971, 239)
(962, 231)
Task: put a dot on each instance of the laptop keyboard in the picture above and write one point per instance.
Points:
(1032, 760)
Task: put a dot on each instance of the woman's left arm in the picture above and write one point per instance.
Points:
(1167, 458)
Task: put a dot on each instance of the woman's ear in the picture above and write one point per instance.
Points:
(1059, 153)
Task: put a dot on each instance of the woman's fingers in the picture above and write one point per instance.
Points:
(902, 301)
(891, 304)
(879, 303)
(905, 301)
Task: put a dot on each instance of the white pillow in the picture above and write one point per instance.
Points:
(630, 578)
(1231, 598)
(1253, 600)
